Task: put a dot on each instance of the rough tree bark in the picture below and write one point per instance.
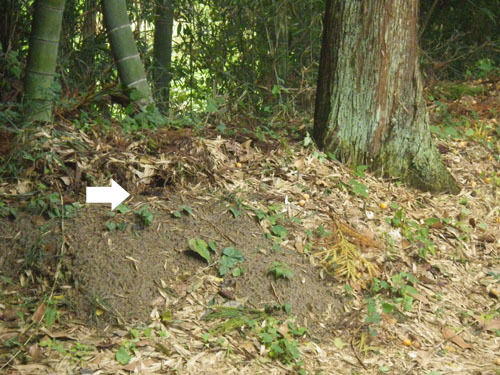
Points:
(369, 104)
(42, 59)
(124, 49)
(163, 51)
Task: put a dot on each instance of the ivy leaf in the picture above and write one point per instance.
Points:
(200, 247)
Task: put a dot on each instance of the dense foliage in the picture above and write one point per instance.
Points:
(258, 56)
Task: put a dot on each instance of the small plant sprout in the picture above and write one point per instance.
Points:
(280, 270)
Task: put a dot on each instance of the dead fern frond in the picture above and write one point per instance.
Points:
(344, 260)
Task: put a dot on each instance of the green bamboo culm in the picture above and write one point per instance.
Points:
(42, 59)
(124, 49)
(162, 50)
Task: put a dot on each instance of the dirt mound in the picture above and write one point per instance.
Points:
(120, 268)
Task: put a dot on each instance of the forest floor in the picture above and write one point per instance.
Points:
(248, 251)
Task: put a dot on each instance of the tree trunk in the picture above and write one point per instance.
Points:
(88, 36)
(281, 42)
(369, 104)
(42, 58)
(124, 50)
(163, 51)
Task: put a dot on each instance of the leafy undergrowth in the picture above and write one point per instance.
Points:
(418, 274)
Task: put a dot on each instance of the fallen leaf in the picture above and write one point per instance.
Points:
(35, 352)
(420, 298)
(449, 334)
(283, 329)
(138, 366)
(9, 315)
(488, 325)
(298, 245)
(249, 347)
(142, 343)
(389, 319)
(66, 180)
(39, 313)
(37, 220)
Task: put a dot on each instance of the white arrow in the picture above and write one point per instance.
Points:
(114, 194)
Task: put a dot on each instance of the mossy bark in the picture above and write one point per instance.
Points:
(369, 105)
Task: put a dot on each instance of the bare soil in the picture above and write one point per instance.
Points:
(117, 276)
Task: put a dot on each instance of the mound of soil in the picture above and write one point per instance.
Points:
(120, 271)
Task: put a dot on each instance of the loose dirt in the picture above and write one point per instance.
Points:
(119, 275)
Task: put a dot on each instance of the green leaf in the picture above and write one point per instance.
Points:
(176, 214)
(230, 258)
(287, 307)
(358, 188)
(6, 280)
(50, 316)
(235, 212)
(339, 343)
(145, 216)
(279, 230)
(237, 272)
(387, 308)
(223, 269)
(360, 170)
(123, 209)
(266, 338)
(200, 247)
(134, 333)
(211, 106)
(279, 269)
(276, 247)
(111, 225)
(233, 253)
(431, 221)
(212, 246)
(187, 209)
(123, 356)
